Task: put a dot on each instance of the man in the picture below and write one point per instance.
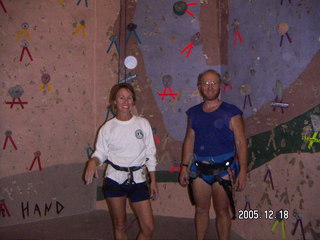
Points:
(215, 135)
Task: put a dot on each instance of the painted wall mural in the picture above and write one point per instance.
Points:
(171, 46)
(280, 39)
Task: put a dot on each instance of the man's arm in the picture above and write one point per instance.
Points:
(187, 153)
(237, 126)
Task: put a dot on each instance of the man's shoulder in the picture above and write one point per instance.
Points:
(231, 107)
(194, 108)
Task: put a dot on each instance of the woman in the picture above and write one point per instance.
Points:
(126, 141)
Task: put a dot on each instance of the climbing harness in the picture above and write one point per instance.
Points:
(215, 169)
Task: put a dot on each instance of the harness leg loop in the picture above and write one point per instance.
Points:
(227, 186)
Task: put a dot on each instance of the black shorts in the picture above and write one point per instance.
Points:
(135, 192)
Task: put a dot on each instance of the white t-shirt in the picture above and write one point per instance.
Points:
(126, 143)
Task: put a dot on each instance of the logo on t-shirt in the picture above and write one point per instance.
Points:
(139, 134)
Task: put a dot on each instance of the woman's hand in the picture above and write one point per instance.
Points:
(154, 191)
(91, 171)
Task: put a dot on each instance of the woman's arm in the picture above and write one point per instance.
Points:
(97, 158)
(91, 170)
(154, 190)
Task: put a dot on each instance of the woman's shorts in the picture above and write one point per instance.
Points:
(135, 192)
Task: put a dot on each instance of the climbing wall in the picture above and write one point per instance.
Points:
(274, 73)
(50, 59)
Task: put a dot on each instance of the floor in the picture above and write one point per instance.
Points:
(96, 225)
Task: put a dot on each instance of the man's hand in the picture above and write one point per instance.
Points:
(184, 177)
(241, 181)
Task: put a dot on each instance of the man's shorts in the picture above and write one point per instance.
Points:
(135, 192)
(210, 179)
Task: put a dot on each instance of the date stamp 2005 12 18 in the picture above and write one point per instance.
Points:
(254, 214)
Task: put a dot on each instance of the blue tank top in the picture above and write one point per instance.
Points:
(212, 133)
